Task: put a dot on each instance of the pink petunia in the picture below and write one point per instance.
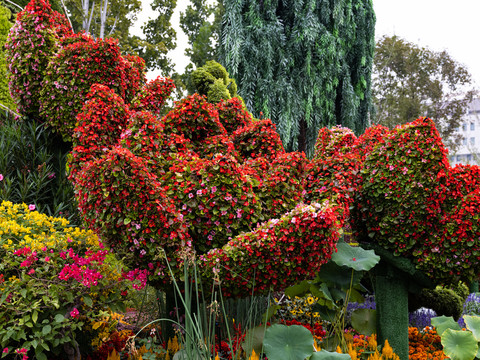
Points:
(31, 207)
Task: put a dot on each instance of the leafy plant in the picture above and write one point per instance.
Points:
(53, 278)
(459, 344)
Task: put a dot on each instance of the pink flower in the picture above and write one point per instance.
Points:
(74, 313)
(5, 350)
(31, 207)
(47, 258)
(31, 272)
(1, 178)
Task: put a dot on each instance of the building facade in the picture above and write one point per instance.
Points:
(469, 149)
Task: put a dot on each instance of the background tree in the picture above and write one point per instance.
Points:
(202, 24)
(411, 81)
(160, 37)
(104, 18)
(305, 64)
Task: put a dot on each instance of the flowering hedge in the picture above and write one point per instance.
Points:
(214, 197)
(127, 205)
(400, 198)
(153, 95)
(72, 72)
(278, 253)
(258, 139)
(194, 118)
(53, 279)
(33, 40)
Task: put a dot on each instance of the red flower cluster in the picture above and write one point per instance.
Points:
(258, 139)
(404, 195)
(316, 329)
(153, 95)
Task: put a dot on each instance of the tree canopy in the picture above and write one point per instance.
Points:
(411, 81)
(304, 64)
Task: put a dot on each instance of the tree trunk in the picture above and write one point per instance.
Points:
(302, 136)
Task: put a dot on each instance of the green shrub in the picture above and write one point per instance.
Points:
(32, 168)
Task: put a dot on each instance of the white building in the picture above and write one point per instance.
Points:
(469, 149)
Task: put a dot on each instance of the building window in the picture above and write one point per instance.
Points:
(472, 141)
(464, 127)
(472, 126)
(459, 158)
(469, 158)
(464, 141)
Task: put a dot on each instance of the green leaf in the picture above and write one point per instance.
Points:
(127, 221)
(473, 324)
(327, 355)
(442, 323)
(298, 289)
(23, 292)
(35, 316)
(271, 311)
(459, 345)
(46, 329)
(88, 300)
(365, 321)
(288, 342)
(59, 318)
(355, 257)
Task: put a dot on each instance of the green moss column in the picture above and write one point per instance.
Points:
(391, 297)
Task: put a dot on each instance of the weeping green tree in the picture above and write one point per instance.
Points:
(305, 64)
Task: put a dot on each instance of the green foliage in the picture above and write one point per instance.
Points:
(287, 342)
(5, 25)
(203, 32)
(53, 279)
(32, 165)
(160, 37)
(413, 81)
(442, 300)
(304, 64)
(459, 344)
(213, 81)
(120, 16)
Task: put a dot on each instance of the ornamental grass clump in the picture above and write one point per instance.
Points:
(53, 280)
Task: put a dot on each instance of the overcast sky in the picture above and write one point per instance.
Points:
(437, 24)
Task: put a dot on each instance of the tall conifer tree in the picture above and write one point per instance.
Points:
(305, 64)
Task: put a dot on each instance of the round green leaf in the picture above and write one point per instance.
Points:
(365, 321)
(459, 345)
(442, 323)
(327, 355)
(473, 324)
(287, 342)
(355, 257)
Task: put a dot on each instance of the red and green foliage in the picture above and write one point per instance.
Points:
(233, 115)
(153, 95)
(277, 253)
(258, 139)
(195, 119)
(77, 67)
(127, 206)
(214, 197)
(33, 40)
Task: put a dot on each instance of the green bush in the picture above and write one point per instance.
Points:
(32, 168)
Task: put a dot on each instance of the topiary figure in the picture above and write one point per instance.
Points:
(33, 41)
(442, 300)
(72, 72)
(212, 80)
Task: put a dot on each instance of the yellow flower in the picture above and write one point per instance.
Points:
(310, 300)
